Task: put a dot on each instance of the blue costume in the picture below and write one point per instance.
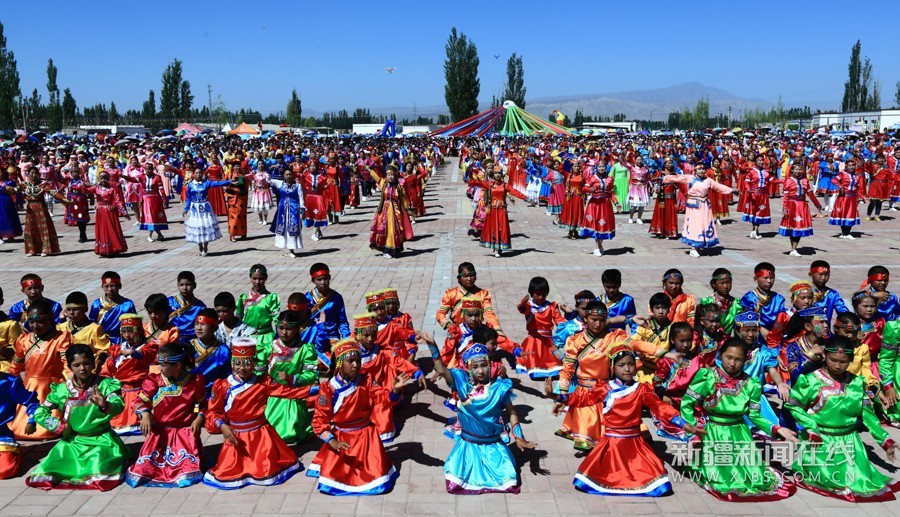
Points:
(831, 300)
(336, 325)
(565, 330)
(624, 306)
(287, 222)
(768, 308)
(480, 462)
(10, 225)
(13, 394)
(213, 362)
(316, 335)
(888, 309)
(106, 314)
(827, 172)
(19, 311)
(759, 360)
(183, 316)
(201, 224)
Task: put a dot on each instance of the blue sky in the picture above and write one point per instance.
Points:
(334, 53)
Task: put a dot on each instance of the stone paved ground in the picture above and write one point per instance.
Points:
(425, 270)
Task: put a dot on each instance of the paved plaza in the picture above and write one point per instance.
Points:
(426, 268)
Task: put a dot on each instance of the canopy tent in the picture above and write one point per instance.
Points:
(244, 129)
(515, 121)
(187, 129)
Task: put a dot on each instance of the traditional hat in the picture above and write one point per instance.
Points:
(373, 297)
(243, 348)
(364, 320)
(344, 348)
(390, 294)
(812, 312)
(471, 304)
(748, 318)
(618, 351)
(130, 321)
(799, 287)
(476, 351)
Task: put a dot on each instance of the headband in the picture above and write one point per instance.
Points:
(207, 320)
(584, 299)
(111, 280)
(763, 272)
(476, 351)
(34, 282)
(834, 347)
(297, 307)
(600, 310)
(259, 268)
(673, 275)
(799, 287)
(172, 359)
(878, 276)
(319, 273)
(289, 324)
(722, 276)
(838, 324)
(820, 269)
(76, 306)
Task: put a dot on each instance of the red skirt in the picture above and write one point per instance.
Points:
(363, 469)
(109, 237)
(10, 460)
(415, 198)
(880, 189)
(557, 197)
(537, 359)
(719, 203)
(153, 214)
(599, 219)
(846, 211)
(622, 463)
(260, 458)
(216, 198)
(383, 418)
(495, 234)
(170, 457)
(797, 221)
(664, 222)
(582, 424)
(756, 208)
(126, 423)
(333, 199)
(316, 215)
(77, 211)
(572, 216)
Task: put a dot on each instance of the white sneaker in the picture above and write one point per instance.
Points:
(314, 237)
(630, 221)
(387, 255)
(149, 239)
(752, 235)
(694, 253)
(757, 236)
(893, 209)
(640, 221)
(718, 221)
(598, 253)
(794, 253)
(849, 237)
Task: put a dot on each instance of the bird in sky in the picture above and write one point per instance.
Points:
(390, 69)
(496, 56)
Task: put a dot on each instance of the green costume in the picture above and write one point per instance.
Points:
(727, 315)
(89, 454)
(729, 466)
(258, 311)
(888, 366)
(619, 174)
(828, 412)
(290, 417)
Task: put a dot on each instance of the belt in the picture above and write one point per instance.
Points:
(726, 420)
(355, 425)
(244, 427)
(837, 431)
(475, 438)
(622, 432)
(586, 383)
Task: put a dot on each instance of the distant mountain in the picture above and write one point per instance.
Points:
(634, 104)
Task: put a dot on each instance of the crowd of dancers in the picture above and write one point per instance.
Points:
(721, 375)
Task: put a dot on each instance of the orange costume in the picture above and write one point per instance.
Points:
(537, 359)
(43, 362)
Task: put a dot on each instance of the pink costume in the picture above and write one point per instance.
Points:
(698, 230)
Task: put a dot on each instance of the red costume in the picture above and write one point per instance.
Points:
(537, 358)
(216, 195)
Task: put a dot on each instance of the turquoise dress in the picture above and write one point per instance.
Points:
(480, 463)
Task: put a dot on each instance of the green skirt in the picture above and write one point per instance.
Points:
(290, 418)
(840, 467)
(82, 462)
(731, 468)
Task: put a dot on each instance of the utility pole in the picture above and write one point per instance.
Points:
(209, 92)
(729, 116)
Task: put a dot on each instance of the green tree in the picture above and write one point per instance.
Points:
(851, 87)
(185, 100)
(170, 93)
(148, 110)
(294, 110)
(113, 112)
(461, 73)
(33, 104)
(515, 81)
(54, 109)
(9, 85)
(701, 114)
(69, 107)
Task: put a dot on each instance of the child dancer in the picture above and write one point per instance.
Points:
(721, 283)
(10, 330)
(107, 309)
(801, 298)
(797, 222)
(876, 283)
(638, 190)
(654, 329)
(620, 305)
(259, 307)
(252, 452)
(664, 223)
(77, 213)
(212, 358)
(622, 445)
(12, 395)
(683, 304)
(673, 374)
(287, 224)
(400, 326)
(727, 395)
(699, 230)
(289, 354)
(201, 225)
(572, 215)
(236, 198)
(89, 455)
(599, 217)
(129, 363)
(171, 408)
(261, 200)
(851, 190)
(157, 328)
(324, 300)
(110, 241)
(39, 355)
(824, 296)
(839, 467)
(480, 462)
(153, 214)
(574, 320)
(802, 343)
(82, 329)
(763, 300)
(184, 307)
(879, 188)
(33, 289)
(541, 317)
(352, 460)
(708, 333)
